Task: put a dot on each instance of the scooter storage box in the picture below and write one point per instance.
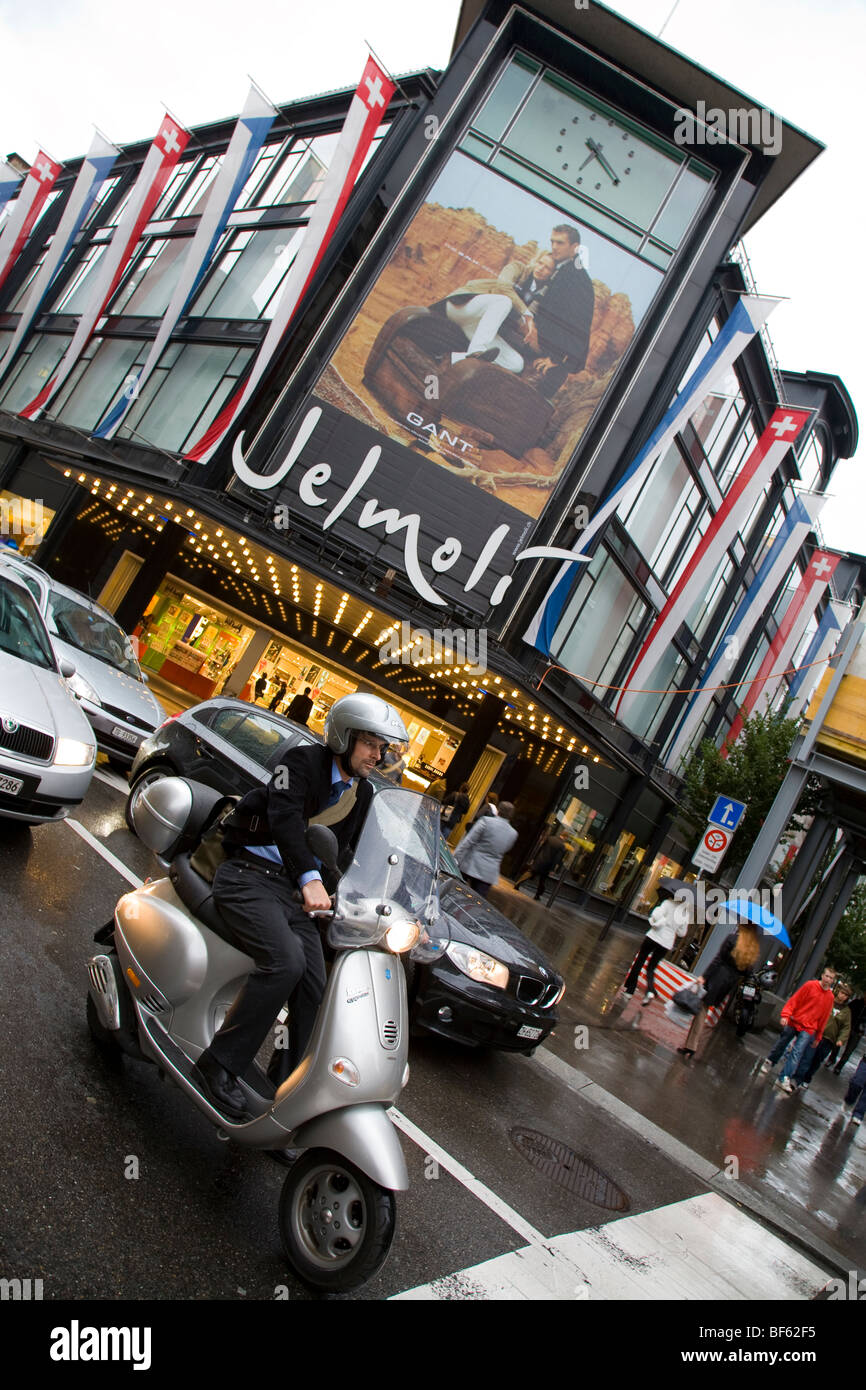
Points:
(171, 815)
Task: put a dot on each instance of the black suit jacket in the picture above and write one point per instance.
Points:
(279, 813)
(563, 316)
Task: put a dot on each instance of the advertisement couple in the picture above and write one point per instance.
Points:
(545, 307)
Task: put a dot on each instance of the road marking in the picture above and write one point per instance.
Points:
(543, 1267)
(109, 858)
(111, 780)
(699, 1249)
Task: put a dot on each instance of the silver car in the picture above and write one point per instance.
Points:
(108, 680)
(47, 748)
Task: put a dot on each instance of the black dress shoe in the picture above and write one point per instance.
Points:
(220, 1088)
(485, 355)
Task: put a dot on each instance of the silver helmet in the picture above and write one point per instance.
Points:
(362, 714)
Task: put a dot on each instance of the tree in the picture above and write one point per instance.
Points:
(753, 773)
(847, 951)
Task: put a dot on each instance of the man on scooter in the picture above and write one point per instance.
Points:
(268, 864)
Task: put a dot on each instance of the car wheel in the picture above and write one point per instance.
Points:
(152, 773)
(336, 1224)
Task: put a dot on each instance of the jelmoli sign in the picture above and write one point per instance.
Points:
(454, 543)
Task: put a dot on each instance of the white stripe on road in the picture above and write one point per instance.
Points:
(111, 780)
(106, 854)
(698, 1249)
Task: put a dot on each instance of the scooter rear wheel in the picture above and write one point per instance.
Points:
(336, 1224)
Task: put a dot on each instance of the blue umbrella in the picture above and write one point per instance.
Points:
(762, 917)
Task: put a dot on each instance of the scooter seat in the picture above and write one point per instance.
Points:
(197, 894)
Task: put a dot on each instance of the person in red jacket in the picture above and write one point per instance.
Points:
(804, 1018)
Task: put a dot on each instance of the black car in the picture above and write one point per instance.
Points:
(493, 987)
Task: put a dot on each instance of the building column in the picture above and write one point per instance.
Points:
(167, 547)
(256, 648)
(849, 883)
(474, 741)
(807, 860)
(805, 946)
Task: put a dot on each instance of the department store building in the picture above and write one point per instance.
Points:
(384, 483)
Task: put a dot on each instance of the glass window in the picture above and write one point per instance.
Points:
(703, 610)
(151, 283)
(506, 96)
(32, 371)
(92, 632)
(728, 467)
(87, 395)
(246, 279)
(663, 510)
(75, 296)
(590, 632)
(810, 463)
(649, 709)
(184, 394)
(683, 202)
(251, 734)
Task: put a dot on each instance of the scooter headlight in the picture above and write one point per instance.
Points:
(402, 937)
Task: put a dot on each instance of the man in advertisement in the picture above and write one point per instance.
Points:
(562, 318)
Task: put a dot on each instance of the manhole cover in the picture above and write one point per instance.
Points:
(565, 1167)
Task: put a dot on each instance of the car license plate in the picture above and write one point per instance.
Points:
(527, 1032)
(748, 992)
(10, 785)
(124, 734)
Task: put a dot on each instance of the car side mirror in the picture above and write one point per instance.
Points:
(67, 667)
(323, 843)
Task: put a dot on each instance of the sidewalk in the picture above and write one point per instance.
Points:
(792, 1161)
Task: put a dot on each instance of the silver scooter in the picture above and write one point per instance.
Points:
(168, 973)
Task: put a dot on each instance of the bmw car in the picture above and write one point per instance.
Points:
(492, 987)
(47, 749)
(108, 681)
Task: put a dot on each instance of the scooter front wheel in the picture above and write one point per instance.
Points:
(336, 1224)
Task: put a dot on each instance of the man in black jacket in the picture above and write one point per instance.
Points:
(256, 888)
(559, 335)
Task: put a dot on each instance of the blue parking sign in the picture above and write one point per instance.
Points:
(727, 813)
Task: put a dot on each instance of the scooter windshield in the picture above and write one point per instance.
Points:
(393, 878)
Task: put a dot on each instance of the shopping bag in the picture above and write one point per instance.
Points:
(690, 998)
(679, 1016)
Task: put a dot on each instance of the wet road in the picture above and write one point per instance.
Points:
(112, 1186)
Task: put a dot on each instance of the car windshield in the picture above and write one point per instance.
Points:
(94, 633)
(22, 633)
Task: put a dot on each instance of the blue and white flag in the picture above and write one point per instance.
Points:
(777, 562)
(247, 139)
(10, 180)
(749, 315)
(95, 169)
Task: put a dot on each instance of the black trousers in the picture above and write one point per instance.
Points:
(651, 952)
(268, 924)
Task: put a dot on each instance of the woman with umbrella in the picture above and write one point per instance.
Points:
(738, 955)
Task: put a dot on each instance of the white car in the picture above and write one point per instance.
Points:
(108, 680)
(47, 748)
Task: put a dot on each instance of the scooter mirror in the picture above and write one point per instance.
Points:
(323, 843)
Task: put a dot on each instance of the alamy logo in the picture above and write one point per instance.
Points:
(77, 1343)
(20, 1289)
(23, 518)
(466, 647)
(747, 125)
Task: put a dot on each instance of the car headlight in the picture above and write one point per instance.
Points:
(70, 752)
(83, 689)
(477, 965)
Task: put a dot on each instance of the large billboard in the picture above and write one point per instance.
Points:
(491, 335)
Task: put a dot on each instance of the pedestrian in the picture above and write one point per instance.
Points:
(260, 688)
(489, 807)
(457, 804)
(546, 860)
(855, 1096)
(858, 1024)
(437, 789)
(836, 1035)
(738, 953)
(300, 707)
(279, 697)
(804, 1018)
(668, 920)
(481, 850)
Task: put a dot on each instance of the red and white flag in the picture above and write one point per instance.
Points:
(782, 430)
(365, 115)
(163, 155)
(25, 210)
(791, 628)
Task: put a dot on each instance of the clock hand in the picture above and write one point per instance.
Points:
(596, 149)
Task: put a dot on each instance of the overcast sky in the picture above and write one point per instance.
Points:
(72, 64)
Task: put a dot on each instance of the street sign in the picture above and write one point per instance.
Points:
(713, 847)
(727, 813)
